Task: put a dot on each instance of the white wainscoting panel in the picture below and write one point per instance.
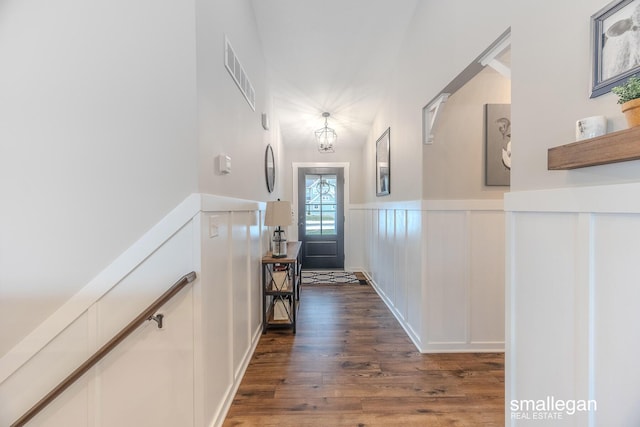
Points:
(572, 298)
(154, 369)
(160, 360)
(241, 289)
(385, 261)
(48, 367)
(373, 245)
(231, 306)
(259, 246)
(354, 253)
(487, 255)
(143, 356)
(112, 275)
(545, 298)
(215, 304)
(616, 319)
(184, 374)
(439, 267)
(400, 277)
(447, 279)
(415, 270)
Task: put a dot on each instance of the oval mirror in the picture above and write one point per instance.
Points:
(270, 168)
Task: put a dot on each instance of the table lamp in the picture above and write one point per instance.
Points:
(278, 215)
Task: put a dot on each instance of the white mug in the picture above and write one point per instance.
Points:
(590, 127)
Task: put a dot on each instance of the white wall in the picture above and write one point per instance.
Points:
(112, 114)
(227, 124)
(437, 48)
(98, 141)
(454, 163)
(310, 154)
(547, 103)
(104, 131)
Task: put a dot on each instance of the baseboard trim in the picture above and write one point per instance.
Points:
(413, 336)
(489, 347)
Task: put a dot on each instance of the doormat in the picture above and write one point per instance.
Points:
(314, 277)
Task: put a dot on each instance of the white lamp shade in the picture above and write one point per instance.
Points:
(278, 214)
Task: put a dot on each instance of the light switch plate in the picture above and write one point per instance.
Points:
(213, 226)
(224, 164)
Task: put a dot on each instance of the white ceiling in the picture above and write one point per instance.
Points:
(331, 55)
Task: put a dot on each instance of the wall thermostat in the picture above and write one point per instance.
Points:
(224, 164)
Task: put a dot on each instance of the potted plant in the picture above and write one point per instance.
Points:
(629, 96)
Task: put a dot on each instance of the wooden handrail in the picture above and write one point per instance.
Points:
(105, 349)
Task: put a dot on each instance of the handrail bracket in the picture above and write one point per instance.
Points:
(158, 318)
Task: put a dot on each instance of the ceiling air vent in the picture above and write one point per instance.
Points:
(238, 74)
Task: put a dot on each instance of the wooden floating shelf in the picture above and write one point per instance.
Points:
(613, 147)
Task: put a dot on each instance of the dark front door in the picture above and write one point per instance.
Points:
(321, 217)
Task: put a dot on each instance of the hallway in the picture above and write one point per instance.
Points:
(351, 364)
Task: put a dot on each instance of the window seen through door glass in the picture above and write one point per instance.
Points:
(320, 203)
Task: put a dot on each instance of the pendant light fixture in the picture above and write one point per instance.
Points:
(326, 137)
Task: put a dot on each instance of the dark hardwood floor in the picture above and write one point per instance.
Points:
(352, 364)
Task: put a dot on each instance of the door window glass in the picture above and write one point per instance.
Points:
(320, 204)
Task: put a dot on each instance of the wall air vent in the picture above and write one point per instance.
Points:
(238, 74)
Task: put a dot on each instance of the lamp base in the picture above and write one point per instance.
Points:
(279, 244)
(279, 250)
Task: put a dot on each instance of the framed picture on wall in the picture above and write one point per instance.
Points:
(615, 34)
(497, 136)
(383, 164)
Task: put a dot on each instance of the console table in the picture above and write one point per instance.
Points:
(281, 280)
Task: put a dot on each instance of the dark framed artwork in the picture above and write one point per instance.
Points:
(497, 130)
(383, 164)
(615, 34)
